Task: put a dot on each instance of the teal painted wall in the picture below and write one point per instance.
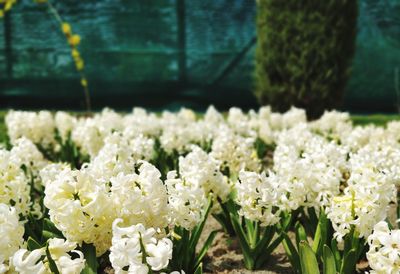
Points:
(152, 53)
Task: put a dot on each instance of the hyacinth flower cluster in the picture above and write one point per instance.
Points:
(383, 254)
(134, 192)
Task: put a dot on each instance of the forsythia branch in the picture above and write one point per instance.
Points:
(73, 40)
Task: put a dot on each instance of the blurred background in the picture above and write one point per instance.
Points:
(163, 54)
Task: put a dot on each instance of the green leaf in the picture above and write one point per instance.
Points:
(194, 239)
(329, 261)
(49, 226)
(33, 228)
(291, 252)
(286, 220)
(349, 263)
(262, 258)
(33, 244)
(205, 248)
(224, 218)
(308, 260)
(247, 254)
(181, 248)
(301, 234)
(46, 235)
(262, 245)
(336, 253)
(224, 221)
(274, 244)
(313, 219)
(52, 264)
(89, 251)
(199, 269)
(321, 234)
(261, 148)
(348, 240)
(249, 227)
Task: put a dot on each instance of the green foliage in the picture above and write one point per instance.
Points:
(91, 263)
(309, 263)
(304, 52)
(377, 119)
(257, 243)
(324, 252)
(3, 128)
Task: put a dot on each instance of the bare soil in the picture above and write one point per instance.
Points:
(225, 256)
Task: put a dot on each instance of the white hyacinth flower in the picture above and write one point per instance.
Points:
(141, 197)
(36, 126)
(14, 183)
(25, 262)
(186, 200)
(127, 255)
(363, 203)
(384, 250)
(61, 251)
(258, 196)
(11, 231)
(80, 208)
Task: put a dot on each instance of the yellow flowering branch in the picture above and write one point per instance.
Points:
(73, 40)
(6, 5)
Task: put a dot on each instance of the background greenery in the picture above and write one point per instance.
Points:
(167, 53)
(304, 52)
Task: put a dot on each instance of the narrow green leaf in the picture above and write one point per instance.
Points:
(265, 240)
(274, 244)
(194, 239)
(89, 251)
(313, 218)
(231, 206)
(348, 240)
(317, 238)
(33, 244)
(222, 220)
(308, 261)
(199, 269)
(291, 252)
(49, 226)
(355, 243)
(247, 254)
(388, 221)
(205, 248)
(33, 228)
(52, 264)
(329, 261)
(349, 263)
(249, 228)
(182, 250)
(46, 235)
(262, 258)
(225, 217)
(286, 219)
(321, 234)
(301, 234)
(336, 253)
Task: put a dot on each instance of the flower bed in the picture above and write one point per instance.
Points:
(148, 193)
